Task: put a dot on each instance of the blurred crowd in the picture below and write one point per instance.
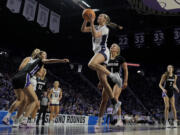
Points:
(81, 97)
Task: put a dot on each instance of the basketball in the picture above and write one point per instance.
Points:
(87, 12)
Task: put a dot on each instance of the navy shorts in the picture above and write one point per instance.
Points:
(21, 80)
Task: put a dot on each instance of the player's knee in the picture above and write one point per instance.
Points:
(20, 99)
(33, 100)
(57, 112)
(167, 106)
(173, 106)
(92, 65)
(24, 102)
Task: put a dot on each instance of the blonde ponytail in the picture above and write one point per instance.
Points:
(111, 24)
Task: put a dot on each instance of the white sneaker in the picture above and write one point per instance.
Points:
(175, 124)
(31, 124)
(116, 107)
(119, 123)
(51, 123)
(6, 120)
(168, 125)
(13, 117)
(15, 123)
(117, 79)
(99, 123)
(23, 123)
(21, 118)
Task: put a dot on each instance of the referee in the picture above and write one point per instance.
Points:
(43, 109)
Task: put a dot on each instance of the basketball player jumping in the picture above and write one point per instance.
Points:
(101, 55)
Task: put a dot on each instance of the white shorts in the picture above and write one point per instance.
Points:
(55, 102)
(105, 52)
(33, 82)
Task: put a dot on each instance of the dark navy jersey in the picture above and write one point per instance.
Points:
(114, 65)
(169, 82)
(33, 67)
(41, 85)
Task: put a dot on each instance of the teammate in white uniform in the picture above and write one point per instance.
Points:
(101, 57)
(54, 96)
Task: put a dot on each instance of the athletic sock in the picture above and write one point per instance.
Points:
(100, 118)
(25, 118)
(8, 114)
(113, 101)
(32, 120)
(119, 117)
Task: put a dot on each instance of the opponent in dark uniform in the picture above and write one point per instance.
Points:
(169, 81)
(41, 87)
(21, 81)
(115, 64)
(168, 85)
(20, 96)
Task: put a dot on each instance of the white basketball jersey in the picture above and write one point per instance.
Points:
(100, 42)
(55, 96)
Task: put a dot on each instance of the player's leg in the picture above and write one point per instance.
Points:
(117, 92)
(172, 102)
(29, 91)
(34, 113)
(56, 109)
(102, 108)
(95, 64)
(51, 114)
(107, 88)
(15, 105)
(166, 110)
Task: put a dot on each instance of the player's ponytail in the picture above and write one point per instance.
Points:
(111, 24)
